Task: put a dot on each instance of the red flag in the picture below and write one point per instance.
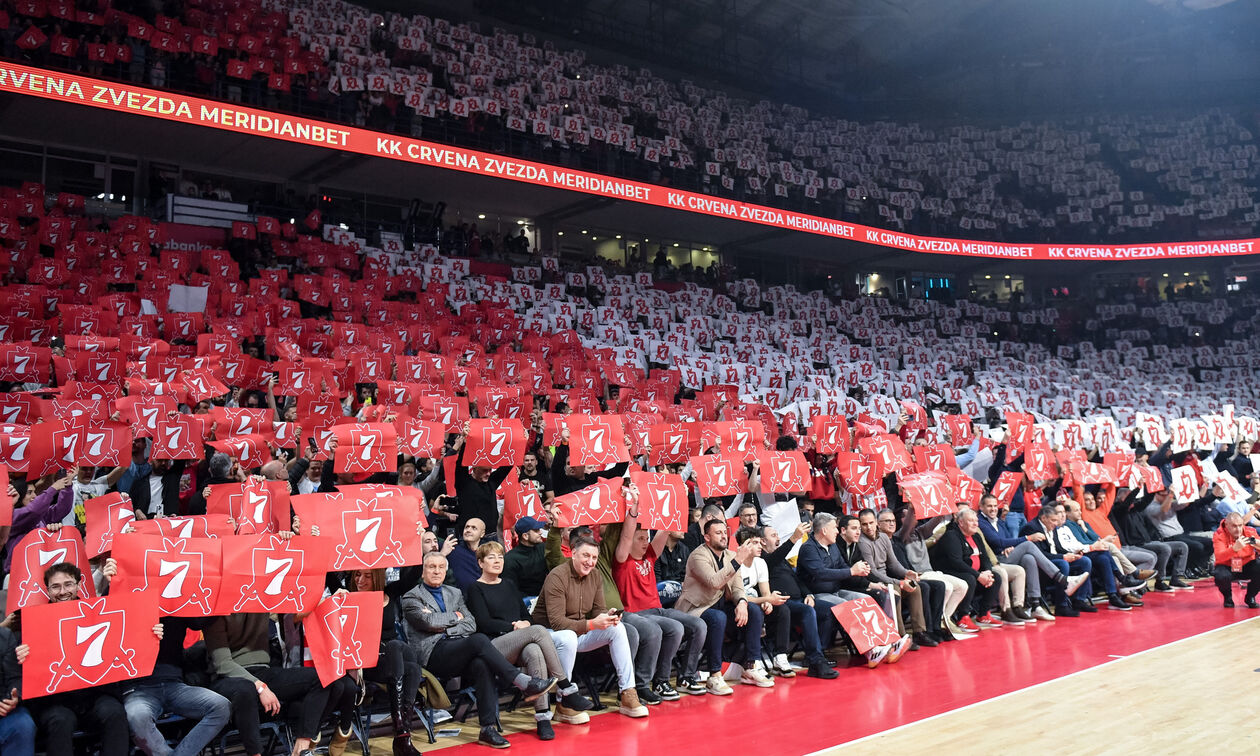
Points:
(830, 434)
(865, 623)
(240, 421)
(673, 443)
(662, 501)
(720, 475)
(106, 517)
(15, 447)
(930, 493)
(598, 440)
(1039, 463)
(494, 443)
(257, 506)
(784, 472)
(420, 438)
(520, 499)
(741, 438)
(1005, 486)
(270, 574)
(83, 644)
(961, 432)
(934, 457)
(366, 448)
(184, 573)
(177, 438)
(37, 551)
(861, 474)
(344, 633)
(193, 526)
(251, 451)
(594, 505)
(371, 527)
(888, 448)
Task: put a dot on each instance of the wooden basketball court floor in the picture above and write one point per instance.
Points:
(1176, 674)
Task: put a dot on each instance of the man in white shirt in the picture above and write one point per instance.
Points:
(1102, 566)
(755, 576)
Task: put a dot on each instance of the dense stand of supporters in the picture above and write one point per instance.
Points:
(1105, 178)
(739, 596)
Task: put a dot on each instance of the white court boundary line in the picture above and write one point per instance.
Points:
(837, 747)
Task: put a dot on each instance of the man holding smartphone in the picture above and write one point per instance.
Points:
(1234, 546)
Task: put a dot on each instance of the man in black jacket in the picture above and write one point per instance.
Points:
(800, 605)
(957, 553)
(157, 493)
(1046, 523)
(1128, 514)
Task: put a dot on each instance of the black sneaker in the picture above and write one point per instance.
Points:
(1180, 585)
(538, 686)
(1162, 587)
(1251, 603)
(1084, 606)
(943, 636)
(692, 686)
(822, 671)
(1229, 603)
(545, 730)
(1066, 610)
(1117, 603)
(491, 737)
(925, 639)
(665, 691)
(576, 701)
(646, 696)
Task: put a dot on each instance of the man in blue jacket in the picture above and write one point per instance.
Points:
(824, 573)
(1022, 550)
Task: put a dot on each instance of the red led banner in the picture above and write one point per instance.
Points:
(170, 106)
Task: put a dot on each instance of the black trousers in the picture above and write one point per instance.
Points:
(1224, 578)
(297, 688)
(474, 657)
(96, 710)
(398, 662)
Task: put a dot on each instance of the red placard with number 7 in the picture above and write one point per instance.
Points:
(494, 443)
(865, 623)
(662, 501)
(366, 448)
(930, 493)
(91, 642)
(597, 504)
(830, 434)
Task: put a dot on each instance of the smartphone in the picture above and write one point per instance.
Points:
(614, 612)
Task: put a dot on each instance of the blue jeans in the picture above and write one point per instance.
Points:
(1102, 567)
(17, 733)
(715, 620)
(148, 701)
(804, 615)
(751, 630)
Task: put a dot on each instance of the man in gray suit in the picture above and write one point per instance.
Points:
(444, 635)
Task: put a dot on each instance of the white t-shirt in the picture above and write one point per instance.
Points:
(83, 492)
(753, 574)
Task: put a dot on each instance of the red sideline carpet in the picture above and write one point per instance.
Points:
(923, 684)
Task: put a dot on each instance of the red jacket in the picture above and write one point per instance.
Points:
(1223, 548)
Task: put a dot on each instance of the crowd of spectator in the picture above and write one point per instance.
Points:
(1106, 178)
(934, 473)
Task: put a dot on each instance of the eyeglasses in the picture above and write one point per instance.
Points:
(881, 522)
(62, 587)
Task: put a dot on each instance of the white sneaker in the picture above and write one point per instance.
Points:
(898, 649)
(716, 685)
(782, 666)
(876, 656)
(757, 676)
(1074, 582)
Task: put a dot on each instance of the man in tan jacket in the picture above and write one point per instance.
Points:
(572, 598)
(713, 591)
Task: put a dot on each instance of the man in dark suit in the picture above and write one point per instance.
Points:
(958, 552)
(1047, 523)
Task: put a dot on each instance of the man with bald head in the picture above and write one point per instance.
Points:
(1234, 547)
(463, 559)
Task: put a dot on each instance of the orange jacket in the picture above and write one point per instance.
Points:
(1223, 548)
(1098, 519)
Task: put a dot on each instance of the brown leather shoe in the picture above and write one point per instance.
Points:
(1145, 575)
(1132, 600)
